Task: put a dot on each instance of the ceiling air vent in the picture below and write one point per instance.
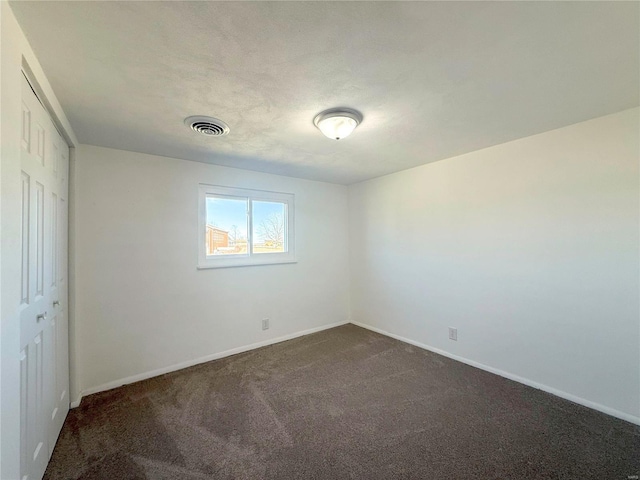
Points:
(209, 126)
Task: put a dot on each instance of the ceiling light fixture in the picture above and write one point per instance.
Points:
(337, 123)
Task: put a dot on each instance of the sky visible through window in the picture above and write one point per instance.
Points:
(224, 213)
(230, 214)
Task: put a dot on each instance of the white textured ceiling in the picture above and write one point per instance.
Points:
(432, 79)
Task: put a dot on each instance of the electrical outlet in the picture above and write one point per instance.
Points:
(265, 324)
(453, 334)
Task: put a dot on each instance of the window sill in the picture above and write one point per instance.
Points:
(244, 262)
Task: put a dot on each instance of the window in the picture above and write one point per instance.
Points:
(239, 227)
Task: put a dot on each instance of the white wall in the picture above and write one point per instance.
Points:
(529, 248)
(14, 53)
(141, 304)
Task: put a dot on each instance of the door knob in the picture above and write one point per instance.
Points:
(56, 303)
(42, 316)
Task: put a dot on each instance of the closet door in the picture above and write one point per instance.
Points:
(43, 326)
(59, 351)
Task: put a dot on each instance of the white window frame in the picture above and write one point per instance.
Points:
(250, 258)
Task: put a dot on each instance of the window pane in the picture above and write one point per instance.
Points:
(226, 229)
(269, 227)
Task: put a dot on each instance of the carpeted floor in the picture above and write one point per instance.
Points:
(342, 403)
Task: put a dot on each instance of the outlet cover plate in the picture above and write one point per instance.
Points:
(453, 334)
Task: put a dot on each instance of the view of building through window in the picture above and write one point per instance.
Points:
(228, 223)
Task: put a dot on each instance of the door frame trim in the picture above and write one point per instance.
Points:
(48, 106)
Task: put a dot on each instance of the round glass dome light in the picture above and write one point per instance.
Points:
(338, 123)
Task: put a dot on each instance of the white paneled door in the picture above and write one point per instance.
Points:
(44, 358)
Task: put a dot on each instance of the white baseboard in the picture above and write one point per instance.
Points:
(76, 402)
(196, 361)
(558, 393)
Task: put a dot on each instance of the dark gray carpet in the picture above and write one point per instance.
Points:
(343, 403)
